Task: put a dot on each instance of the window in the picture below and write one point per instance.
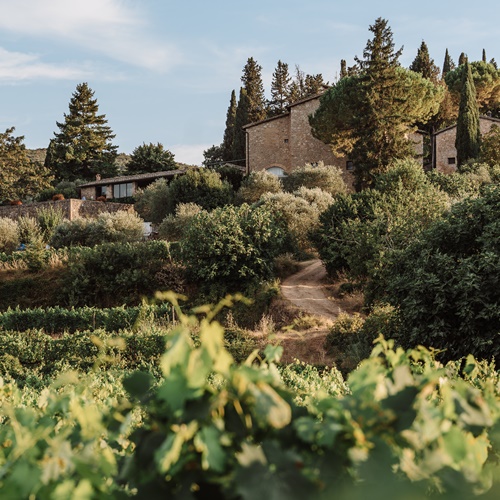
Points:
(278, 171)
(451, 160)
(349, 165)
(122, 190)
(285, 141)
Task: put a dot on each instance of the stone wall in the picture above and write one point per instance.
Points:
(286, 141)
(71, 209)
(445, 151)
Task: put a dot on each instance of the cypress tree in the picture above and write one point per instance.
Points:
(280, 90)
(462, 59)
(484, 56)
(228, 140)
(82, 148)
(252, 82)
(241, 119)
(448, 64)
(468, 136)
(343, 68)
(424, 65)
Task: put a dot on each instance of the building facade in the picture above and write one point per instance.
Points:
(443, 143)
(284, 142)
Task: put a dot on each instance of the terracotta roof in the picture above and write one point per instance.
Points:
(131, 178)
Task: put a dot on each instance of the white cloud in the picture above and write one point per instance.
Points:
(110, 27)
(16, 66)
(192, 154)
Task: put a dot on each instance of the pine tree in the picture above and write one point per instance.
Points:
(448, 64)
(82, 148)
(241, 119)
(369, 115)
(280, 90)
(150, 157)
(313, 85)
(468, 134)
(227, 141)
(462, 59)
(424, 65)
(19, 176)
(252, 83)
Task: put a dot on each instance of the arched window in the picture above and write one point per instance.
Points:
(277, 171)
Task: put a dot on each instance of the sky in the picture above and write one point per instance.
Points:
(162, 71)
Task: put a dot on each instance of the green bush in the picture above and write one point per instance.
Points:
(326, 177)
(29, 230)
(172, 226)
(445, 284)
(256, 184)
(117, 227)
(232, 245)
(9, 235)
(67, 188)
(113, 274)
(48, 219)
(316, 197)
(152, 202)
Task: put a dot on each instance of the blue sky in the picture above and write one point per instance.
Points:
(163, 70)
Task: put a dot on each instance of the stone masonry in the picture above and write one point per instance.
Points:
(71, 209)
(285, 141)
(445, 153)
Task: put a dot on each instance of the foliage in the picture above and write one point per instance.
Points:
(280, 90)
(424, 64)
(66, 188)
(360, 232)
(107, 227)
(315, 196)
(368, 117)
(150, 158)
(212, 156)
(285, 265)
(296, 214)
(113, 274)
(252, 83)
(226, 148)
(201, 186)
(29, 230)
(486, 82)
(238, 151)
(82, 148)
(444, 285)
(9, 235)
(151, 203)
(230, 173)
(468, 134)
(20, 178)
(232, 245)
(256, 184)
(48, 219)
(326, 177)
(173, 226)
(448, 64)
(490, 146)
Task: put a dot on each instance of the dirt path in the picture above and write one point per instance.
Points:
(307, 291)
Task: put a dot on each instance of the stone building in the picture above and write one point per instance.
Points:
(284, 142)
(443, 144)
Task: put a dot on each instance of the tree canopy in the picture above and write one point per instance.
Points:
(151, 158)
(82, 148)
(19, 176)
(369, 116)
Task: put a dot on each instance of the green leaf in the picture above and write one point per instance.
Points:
(213, 456)
(138, 384)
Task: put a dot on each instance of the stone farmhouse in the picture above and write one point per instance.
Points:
(284, 142)
(444, 153)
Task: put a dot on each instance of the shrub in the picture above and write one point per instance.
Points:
(232, 245)
(120, 226)
(9, 235)
(152, 202)
(173, 226)
(285, 265)
(325, 177)
(256, 184)
(48, 219)
(445, 284)
(66, 188)
(316, 197)
(114, 273)
(490, 146)
(29, 230)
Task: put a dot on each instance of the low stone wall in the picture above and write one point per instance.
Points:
(72, 209)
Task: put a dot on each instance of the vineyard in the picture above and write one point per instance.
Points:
(193, 423)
